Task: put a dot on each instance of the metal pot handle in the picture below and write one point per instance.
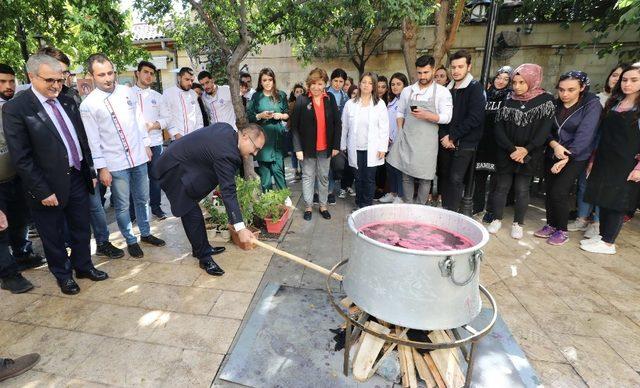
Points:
(447, 266)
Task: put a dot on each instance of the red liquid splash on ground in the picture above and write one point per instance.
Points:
(416, 235)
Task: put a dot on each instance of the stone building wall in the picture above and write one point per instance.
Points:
(549, 45)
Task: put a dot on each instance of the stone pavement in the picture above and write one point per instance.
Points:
(161, 321)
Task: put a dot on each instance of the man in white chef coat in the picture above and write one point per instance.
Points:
(217, 100)
(119, 143)
(155, 120)
(181, 104)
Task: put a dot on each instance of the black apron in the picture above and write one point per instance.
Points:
(607, 185)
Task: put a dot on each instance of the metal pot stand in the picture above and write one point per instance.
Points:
(467, 345)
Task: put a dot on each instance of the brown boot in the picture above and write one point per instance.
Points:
(12, 368)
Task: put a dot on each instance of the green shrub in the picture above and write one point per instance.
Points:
(271, 204)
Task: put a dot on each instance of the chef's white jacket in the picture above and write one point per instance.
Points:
(182, 110)
(151, 106)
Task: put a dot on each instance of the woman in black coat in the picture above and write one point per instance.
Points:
(522, 127)
(614, 180)
(316, 129)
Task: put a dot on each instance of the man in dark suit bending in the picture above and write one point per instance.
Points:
(193, 166)
(48, 145)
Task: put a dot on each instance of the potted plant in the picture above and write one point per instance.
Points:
(272, 209)
(248, 193)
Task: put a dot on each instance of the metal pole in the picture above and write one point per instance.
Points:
(467, 200)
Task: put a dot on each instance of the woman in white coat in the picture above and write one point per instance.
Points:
(365, 134)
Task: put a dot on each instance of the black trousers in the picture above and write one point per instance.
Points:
(558, 188)
(348, 176)
(521, 188)
(453, 167)
(365, 181)
(51, 221)
(610, 224)
(14, 205)
(193, 224)
(484, 191)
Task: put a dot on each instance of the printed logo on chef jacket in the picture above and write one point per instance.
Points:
(130, 103)
(153, 102)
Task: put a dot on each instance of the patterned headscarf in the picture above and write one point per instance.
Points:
(579, 75)
(532, 75)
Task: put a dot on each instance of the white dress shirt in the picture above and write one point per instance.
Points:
(67, 120)
(444, 102)
(150, 102)
(183, 111)
(220, 106)
(115, 129)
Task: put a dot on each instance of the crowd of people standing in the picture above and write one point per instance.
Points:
(374, 138)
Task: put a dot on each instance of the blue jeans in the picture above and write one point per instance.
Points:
(585, 209)
(154, 185)
(134, 181)
(98, 218)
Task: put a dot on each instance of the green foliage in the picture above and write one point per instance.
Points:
(77, 27)
(218, 216)
(248, 193)
(271, 204)
(357, 29)
(606, 19)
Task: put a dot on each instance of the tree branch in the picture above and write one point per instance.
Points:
(197, 5)
(454, 25)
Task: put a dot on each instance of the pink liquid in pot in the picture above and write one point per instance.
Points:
(416, 235)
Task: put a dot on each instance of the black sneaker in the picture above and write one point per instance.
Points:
(487, 218)
(109, 251)
(135, 250)
(316, 200)
(331, 199)
(160, 215)
(153, 240)
(30, 260)
(17, 284)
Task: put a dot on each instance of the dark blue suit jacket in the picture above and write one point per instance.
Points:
(195, 164)
(37, 150)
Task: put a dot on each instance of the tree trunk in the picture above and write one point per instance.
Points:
(440, 32)
(409, 47)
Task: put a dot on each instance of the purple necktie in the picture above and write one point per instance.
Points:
(75, 158)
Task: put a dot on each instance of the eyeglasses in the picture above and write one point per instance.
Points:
(258, 149)
(52, 81)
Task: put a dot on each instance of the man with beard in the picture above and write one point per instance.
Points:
(217, 100)
(49, 149)
(181, 105)
(459, 139)
(150, 102)
(421, 107)
(119, 143)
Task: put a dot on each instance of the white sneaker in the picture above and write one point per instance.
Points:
(599, 247)
(578, 224)
(592, 230)
(387, 198)
(494, 226)
(398, 199)
(342, 194)
(516, 231)
(351, 192)
(592, 240)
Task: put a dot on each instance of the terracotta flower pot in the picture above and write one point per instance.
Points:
(277, 226)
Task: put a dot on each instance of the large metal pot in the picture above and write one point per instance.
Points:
(426, 290)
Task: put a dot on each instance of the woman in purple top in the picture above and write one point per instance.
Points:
(568, 150)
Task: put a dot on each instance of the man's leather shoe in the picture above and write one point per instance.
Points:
(212, 268)
(12, 368)
(211, 252)
(153, 240)
(307, 215)
(135, 250)
(30, 260)
(93, 274)
(17, 284)
(325, 214)
(69, 286)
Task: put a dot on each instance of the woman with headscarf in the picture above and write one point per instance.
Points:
(522, 127)
(569, 148)
(614, 182)
(486, 155)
